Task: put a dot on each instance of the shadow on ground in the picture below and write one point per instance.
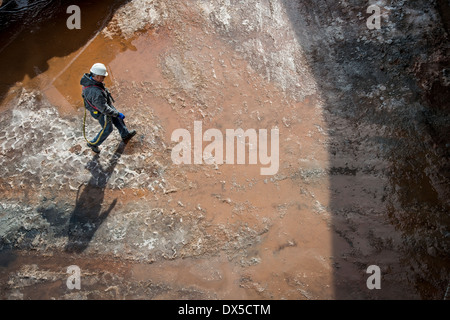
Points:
(389, 140)
(87, 216)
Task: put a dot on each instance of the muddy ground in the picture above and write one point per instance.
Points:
(363, 167)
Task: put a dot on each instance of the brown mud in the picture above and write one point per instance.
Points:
(362, 175)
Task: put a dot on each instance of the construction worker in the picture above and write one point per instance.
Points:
(98, 101)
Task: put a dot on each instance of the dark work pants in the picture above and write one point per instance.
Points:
(110, 121)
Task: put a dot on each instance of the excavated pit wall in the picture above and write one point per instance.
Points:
(363, 161)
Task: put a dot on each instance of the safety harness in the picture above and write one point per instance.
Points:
(95, 112)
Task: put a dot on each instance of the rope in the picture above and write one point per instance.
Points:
(84, 128)
(84, 120)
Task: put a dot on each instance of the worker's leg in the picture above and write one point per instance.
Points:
(120, 125)
(103, 133)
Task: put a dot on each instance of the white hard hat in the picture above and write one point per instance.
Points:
(99, 69)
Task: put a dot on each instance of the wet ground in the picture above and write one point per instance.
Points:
(363, 151)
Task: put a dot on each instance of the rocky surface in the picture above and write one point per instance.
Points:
(363, 177)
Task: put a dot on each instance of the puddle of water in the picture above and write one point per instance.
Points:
(54, 69)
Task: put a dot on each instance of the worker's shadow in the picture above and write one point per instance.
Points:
(87, 215)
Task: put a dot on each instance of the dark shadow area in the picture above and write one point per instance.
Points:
(387, 109)
(33, 33)
(7, 256)
(87, 216)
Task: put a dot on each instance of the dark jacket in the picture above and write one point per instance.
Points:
(97, 97)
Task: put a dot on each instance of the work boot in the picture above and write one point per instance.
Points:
(130, 135)
(94, 148)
